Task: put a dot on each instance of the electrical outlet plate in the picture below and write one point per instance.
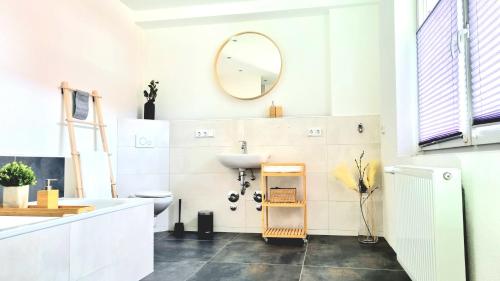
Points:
(315, 132)
(204, 133)
(144, 141)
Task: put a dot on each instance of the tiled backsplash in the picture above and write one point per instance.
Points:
(203, 183)
(44, 168)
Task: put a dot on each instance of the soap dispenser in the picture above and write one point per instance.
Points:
(47, 197)
(272, 110)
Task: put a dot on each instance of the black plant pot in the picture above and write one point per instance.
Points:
(149, 110)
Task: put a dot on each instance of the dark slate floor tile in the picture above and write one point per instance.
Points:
(173, 271)
(45, 168)
(257, 237)
(249, 237)
(345, 274)
(260, 252)
(168, 235)
(186, 250)
(214, 271)
(345, 251)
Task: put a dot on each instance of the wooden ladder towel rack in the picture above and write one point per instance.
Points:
(67, 92)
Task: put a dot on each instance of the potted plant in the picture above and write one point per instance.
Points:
(16, 178)
(149, 106)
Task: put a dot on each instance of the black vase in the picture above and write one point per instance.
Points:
(149, 110)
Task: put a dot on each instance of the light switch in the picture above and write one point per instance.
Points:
(204, 133)
(315, 132)
(144, 141)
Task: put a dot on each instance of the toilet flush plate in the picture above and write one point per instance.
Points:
(144, 141)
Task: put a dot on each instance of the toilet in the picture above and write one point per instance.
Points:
(162, 199)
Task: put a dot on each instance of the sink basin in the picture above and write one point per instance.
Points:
(242, 161)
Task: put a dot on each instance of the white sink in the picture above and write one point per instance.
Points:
(242, 161)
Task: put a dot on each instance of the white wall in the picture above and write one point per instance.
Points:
(355, 60)
(91, 44)
(479, 165)
(182, 59)
(203, 183)
(331, 66)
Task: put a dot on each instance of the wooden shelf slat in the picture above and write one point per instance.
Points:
(280, 232)
(297, 204)
(275, 174)
(35, 211)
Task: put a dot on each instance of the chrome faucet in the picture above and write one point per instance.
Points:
(244, 147)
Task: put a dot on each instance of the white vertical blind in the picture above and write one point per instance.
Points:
(484, 28)
(439, 105)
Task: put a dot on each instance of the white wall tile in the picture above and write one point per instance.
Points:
(337, 232)
(203, 182)
(193, 160)
(345, 154)
(344, 216)
(133, 160)
(129, 128)
(286, 217)
(314, 156)
(317, 213)
(252, 216)
(129, 184)
(206, 192)
(338, 192)
(254, 185)
(344, 129)
(284, 131)
(317, 186)
(318, 232)
(226, 133)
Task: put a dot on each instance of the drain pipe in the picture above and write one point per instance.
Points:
(243, 183)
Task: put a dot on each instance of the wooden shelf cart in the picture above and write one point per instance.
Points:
(288, 170)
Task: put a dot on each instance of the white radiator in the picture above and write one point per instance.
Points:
(428, 223)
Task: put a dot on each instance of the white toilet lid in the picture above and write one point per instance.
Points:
(153, 194)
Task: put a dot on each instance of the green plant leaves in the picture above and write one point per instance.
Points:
(17, 174)
(151, 96)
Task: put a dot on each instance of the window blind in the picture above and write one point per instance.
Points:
(437, 63)
(484, 28)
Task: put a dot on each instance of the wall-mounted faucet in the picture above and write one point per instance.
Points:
(244, 147)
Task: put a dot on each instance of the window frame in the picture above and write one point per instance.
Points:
(473, 135)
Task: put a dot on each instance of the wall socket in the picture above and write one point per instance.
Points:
(204, 133)
(315, 132)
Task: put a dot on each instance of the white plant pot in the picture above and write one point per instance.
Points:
(16, 196)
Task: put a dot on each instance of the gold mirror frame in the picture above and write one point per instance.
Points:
(216, 72)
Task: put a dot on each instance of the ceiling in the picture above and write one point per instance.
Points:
(164, 4)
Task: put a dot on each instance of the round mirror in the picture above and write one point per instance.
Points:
(248, 65)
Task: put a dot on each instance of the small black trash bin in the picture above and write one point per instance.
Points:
(205, 225)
